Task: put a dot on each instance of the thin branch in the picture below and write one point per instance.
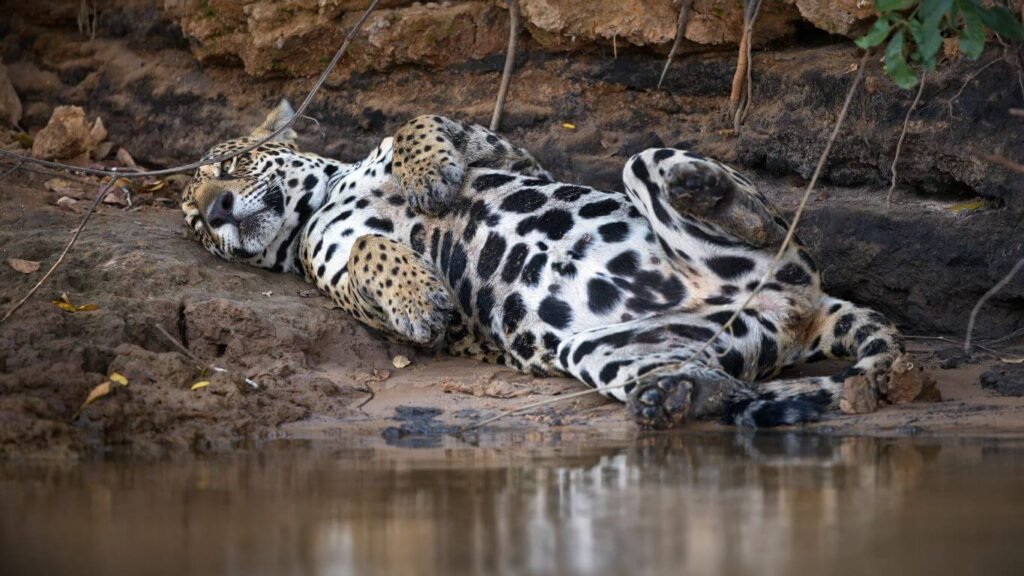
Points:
(684, 18)
(975, 74)
(10, 171)
(299, 112)
(903, 134)
(1003, 161)
(1009, 336)
(104, 189)
(195, 358)
(981, 302)
(510, 63)
(790, 233)
(950, 341)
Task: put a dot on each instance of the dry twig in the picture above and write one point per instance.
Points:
(985, 298)
(903, 134)
(790, 233)
(510, 63)
(684, 18)
(1003, 161)
(975, 74)
(104, 189)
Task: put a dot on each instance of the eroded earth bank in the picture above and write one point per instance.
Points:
(170, 79)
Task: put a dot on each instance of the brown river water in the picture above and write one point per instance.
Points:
(687, 503)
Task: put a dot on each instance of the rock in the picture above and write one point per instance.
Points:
(67, 135)
(952, 357)
(10, 104)
(908, 382)
(858, 397)
(849, 18)
(125, 158)
(1006, 380)
(297, 38)
(564, 24)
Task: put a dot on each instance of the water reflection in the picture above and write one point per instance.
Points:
(671, 504)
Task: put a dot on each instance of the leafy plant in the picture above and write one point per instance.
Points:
(915, 30)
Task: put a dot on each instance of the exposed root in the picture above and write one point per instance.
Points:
(903, 134)
(985, 298)
(741, 96)
(684, 18)
(510, 62)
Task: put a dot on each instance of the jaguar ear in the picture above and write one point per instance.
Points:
(277, 118)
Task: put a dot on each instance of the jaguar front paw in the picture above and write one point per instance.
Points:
(432, 186)
(423, 316)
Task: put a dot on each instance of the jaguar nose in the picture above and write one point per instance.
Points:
(219, 212)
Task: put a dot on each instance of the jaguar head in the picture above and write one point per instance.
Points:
(251, 208)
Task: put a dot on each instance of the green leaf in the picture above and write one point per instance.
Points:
(928, 39)
(931, 11)
(972, 37)
(884, 6)
(876, 35)
(1002, 22)
(896, 65)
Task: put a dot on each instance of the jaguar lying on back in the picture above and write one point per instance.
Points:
(449, 236)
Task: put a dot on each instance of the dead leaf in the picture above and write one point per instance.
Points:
(568, 126)
(23, 266)
(101, 390)
(1012, 360)
(65, 304)
(400, 361)
(150, 186)
(64, 188)
(25, 139)
(200, 384)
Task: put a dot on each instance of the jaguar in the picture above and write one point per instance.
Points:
(448, 236)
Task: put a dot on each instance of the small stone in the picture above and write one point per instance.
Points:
(908, 382)
(125, 159)
(67, 203)
(66, 135)
(1006, 380)
(10, 104)
(859, 396)
(103, 149)
(98, 132)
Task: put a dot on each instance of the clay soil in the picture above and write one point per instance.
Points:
(319, 373)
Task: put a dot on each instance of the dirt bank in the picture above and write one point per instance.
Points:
(319, 373)
(955, 230)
